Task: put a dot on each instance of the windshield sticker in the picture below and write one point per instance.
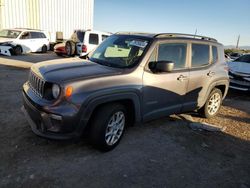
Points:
(138, 43)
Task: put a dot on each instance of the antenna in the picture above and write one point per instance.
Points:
(238, 40)
(195, 33)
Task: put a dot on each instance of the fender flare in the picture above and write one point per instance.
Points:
(91, 104)
(224, 82)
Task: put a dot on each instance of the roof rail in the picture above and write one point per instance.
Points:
(28, 28)
(161, 35)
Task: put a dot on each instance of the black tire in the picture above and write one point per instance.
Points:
(70, 48)
(207, 111)
(44, 49)
(17, 50)
(99, 130)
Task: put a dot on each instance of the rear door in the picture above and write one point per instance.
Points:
(25, 42)
(202, 73)
(38, 39)
(164, 93)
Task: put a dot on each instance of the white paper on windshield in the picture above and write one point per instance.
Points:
(138, 43)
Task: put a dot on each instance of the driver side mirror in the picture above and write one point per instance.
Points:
(161, 66)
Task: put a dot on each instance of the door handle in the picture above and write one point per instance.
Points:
(182, 78)
(210, 73)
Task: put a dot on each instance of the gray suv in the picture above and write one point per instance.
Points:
(129, 78)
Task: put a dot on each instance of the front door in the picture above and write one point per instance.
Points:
(164, 92)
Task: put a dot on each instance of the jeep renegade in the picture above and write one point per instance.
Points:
(129, 78)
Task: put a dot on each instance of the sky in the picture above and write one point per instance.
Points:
(220, 19)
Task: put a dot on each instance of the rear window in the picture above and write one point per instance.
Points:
(200, 55)
(93, 39)
(80, 35)
(36, 35)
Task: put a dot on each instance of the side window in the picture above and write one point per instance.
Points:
(35, 35)
(215, 54)
(25, 35)
(42, 35)
(104, 37)
(200, 55)
(93, 39)
(175, 52)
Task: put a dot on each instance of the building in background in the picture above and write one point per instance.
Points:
(48, 15)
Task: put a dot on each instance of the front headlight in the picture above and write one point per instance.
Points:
(55, 90)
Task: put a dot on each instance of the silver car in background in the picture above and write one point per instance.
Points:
(239, 73)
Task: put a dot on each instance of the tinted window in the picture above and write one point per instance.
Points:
(200, 55)
(104, 37)
(80, 35)
(215, 54)
(173, 52)
(37, 35)
(93, 39)
(244, 58)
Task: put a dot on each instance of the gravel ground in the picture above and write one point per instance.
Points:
(161, 153)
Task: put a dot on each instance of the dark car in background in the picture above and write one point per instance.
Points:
(235, 55)
(239, 73)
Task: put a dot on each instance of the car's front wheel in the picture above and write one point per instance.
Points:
(17, 50)
(212, 105)
(108, 126)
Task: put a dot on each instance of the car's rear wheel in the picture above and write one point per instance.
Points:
(17, 50)
(70, 48)
(44, 49)
(108, 126)
(212, 105)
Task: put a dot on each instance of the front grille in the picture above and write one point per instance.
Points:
(37, 84)
(236, 77)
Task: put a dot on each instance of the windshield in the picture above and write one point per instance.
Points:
(244, 58)
(9, 33)
(121, 51)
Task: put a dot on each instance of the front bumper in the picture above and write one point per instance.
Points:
(48, 124)
(240, 85)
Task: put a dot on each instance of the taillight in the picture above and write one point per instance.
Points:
(84, 48)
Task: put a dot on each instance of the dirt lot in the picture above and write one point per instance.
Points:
(162, 153)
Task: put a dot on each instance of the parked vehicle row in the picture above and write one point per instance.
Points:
(81, 43)
(19, 40)
(130, 77)
(239, 73)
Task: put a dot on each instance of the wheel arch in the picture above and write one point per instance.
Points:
(222, 85)
(131, 101)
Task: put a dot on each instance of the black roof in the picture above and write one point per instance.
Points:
(169, 35)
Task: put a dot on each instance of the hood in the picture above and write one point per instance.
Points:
(2, 39)
(58, 71)
(239, 67)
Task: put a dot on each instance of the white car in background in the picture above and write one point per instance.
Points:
(17, 41)
(81, 43)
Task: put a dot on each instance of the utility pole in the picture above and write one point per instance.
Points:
(1, 5)
(238, 40)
